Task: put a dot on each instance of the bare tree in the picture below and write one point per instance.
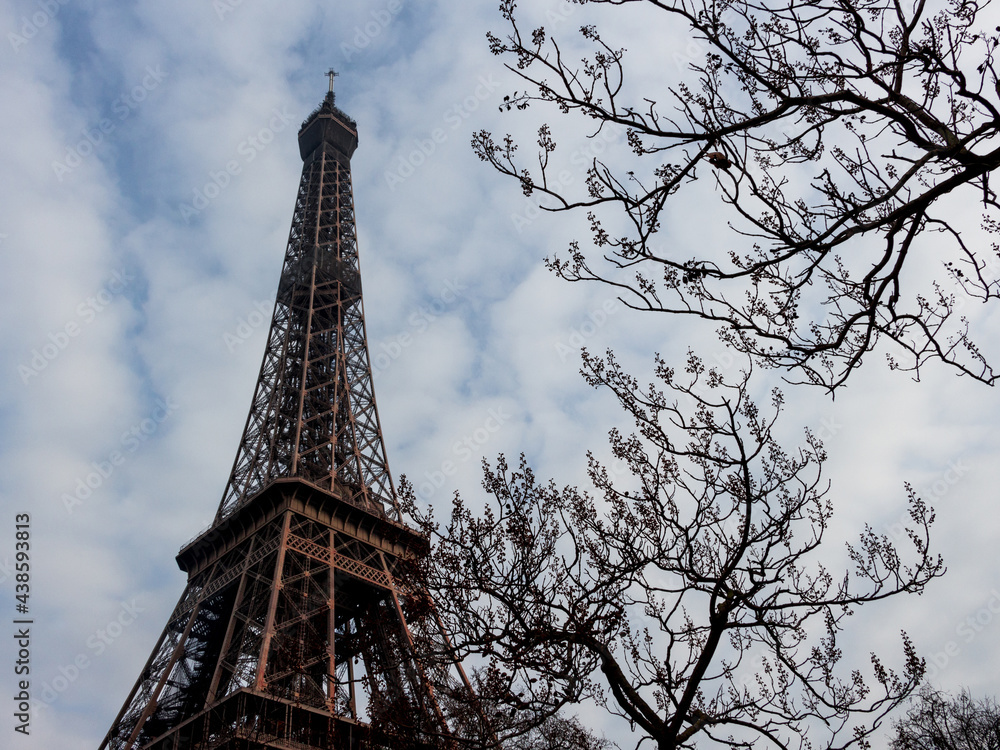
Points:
(846, 140)
(559, 733)
(689, 597)
(937, 721)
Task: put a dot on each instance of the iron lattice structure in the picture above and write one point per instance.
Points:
(292, 631)
(313, 414)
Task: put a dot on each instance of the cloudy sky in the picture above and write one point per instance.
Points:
(148, 167)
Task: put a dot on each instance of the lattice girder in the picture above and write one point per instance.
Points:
(291, 631)
(313, 412)
(297, 614)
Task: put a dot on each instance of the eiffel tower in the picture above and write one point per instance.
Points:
(293, 630)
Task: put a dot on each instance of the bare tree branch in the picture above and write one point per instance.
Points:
(840, 135)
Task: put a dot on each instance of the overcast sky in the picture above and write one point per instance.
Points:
(148, 168)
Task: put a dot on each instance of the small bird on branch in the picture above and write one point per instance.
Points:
(718, 160)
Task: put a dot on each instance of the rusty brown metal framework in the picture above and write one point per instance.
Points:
(292, 631)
